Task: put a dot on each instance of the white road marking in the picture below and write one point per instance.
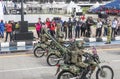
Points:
(12, 70)
(34, 68)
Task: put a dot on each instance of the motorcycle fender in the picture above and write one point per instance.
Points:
(54, 53)
(37, 46)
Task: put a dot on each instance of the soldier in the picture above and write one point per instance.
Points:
(77, 55)
(59, 34)
(76, 52)
(44, 37)
(109, 30)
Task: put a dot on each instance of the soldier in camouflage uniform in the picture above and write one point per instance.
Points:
(76, 54)
(59, 34)
(109, 30)
(44, 38)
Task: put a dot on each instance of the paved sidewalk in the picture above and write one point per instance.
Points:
(91, 39)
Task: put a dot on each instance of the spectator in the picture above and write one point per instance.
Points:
(70, 26)
(83, 29)
(114, 27)
(105, 27)
(99, 28)
(65, 28)
(74, 25)
(61, 23)
(48, 24)
(17, 26)
(39, 20)
(89, 23)
(8, 31)
(38, 29)
(118, 27)
(13, 30)
(83, 17)
(52, 28)
(2, 27)
(78, 26)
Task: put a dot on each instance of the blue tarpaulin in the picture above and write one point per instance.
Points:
(114, 4)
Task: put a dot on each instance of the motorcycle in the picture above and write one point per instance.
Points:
(41, 48)
(71, 71)
(55, 57)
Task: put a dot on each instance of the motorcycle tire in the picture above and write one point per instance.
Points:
(38, 52)
(53, 56)
(103, 74)
(65, 74)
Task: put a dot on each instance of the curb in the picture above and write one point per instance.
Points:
(16, 44)
(27, 43)
(19, 46)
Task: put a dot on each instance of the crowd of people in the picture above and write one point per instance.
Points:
(9, 27)
(81, 27)
(74, 27)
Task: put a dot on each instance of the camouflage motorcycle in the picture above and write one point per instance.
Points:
(41, 48)
(55, 57)
(71, 71)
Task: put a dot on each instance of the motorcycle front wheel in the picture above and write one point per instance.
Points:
(105, 72)
(52, 60)
(39, 52)
(65, 75)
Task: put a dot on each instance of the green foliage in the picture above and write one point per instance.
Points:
(85, 9)
(31, 28)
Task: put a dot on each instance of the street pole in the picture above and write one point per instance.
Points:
(22, 11)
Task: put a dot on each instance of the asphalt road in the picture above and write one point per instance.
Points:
(24, 65)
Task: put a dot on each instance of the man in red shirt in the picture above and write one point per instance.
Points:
(8, 30)
(82, 17)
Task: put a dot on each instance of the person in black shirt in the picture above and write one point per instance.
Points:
(89, 23)
(70, 25)
(65, 26)
(78, 26)
(13, 30)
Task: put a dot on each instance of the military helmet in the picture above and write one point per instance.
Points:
(80, 43)
(61, 35)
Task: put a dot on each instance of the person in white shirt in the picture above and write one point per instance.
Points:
(98, 27)
(114, 27)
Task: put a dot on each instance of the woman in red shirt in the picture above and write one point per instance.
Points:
(52, 28)
(8, 30)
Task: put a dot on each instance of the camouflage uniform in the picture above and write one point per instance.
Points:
(77, 55)
(109, 34)
(59, 35)
(44, 37)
